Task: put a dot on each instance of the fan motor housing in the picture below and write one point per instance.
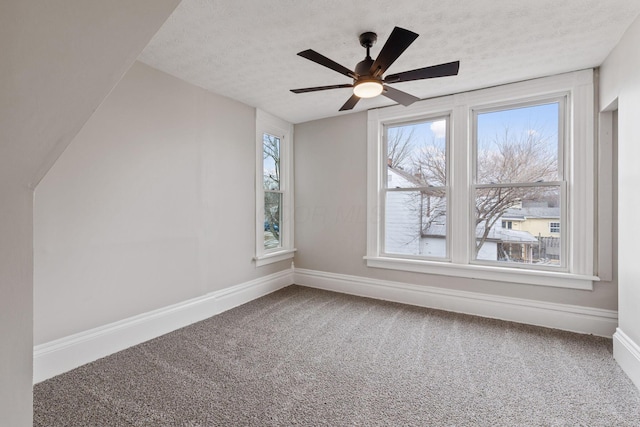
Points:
(364, 67)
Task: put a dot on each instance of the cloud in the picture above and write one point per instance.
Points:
(439, 128)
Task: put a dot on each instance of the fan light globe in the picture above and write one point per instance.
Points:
(367, 89)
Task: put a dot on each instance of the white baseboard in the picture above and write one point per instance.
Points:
(62, 355)
(627, 354)
(566, 317)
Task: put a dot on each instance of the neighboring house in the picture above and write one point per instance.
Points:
(535, 217)
(542, 222)
(402, 214)
(416, 225)
(503, 244)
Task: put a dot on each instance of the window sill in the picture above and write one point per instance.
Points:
(272, 257)
(482, 272)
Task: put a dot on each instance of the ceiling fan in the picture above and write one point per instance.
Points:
(368, 81)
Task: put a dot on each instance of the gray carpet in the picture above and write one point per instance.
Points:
(308, 357)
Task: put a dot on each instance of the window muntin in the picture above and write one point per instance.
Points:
(518, 173)
(415, 189)
(554, 227)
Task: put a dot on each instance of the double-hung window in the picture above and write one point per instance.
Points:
(274, 189)
(415, 189)
(518, 171)
(494, 184)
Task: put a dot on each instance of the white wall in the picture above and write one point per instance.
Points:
(151, 204)
(620, 81)
(59, 60)
(331, 193)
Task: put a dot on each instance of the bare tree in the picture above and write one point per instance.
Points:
(399, 146)
(271, 151)
(508, 158)
(433, 204)
(430, 164)
(512, 158)
(271, 180)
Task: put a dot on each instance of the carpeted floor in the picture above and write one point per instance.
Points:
(308, 357)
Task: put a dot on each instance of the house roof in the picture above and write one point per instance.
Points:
(410, 178)
(531, 213)
(496, 234)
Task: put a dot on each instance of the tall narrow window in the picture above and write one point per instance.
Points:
(415, 193)
(519, 174)
(274, 189)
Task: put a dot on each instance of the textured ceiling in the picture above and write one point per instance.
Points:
(246, 50)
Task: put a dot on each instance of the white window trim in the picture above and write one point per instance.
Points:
(579, 171)
(266, 123)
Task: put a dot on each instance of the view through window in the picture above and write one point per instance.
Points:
(518, 185)
(416, 189)
(494, 184)
(272, 190)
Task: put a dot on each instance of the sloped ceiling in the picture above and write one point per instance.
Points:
(246, 50)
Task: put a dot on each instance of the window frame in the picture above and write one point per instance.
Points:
(446, 188)
(561, 182)
(578, 163)
(268, 124)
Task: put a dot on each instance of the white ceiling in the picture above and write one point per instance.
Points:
(246, 50)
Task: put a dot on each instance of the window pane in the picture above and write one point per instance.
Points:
(416, 154)
(513, 225)
(272, 205)
(271, 162)
(518, 145)
(415, 223)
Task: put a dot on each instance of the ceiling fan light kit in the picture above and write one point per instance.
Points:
(367, 88)
(368, 81)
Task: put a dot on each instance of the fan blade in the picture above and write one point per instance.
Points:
(399, 96)
(351, 102)
(314, 56)
(398, 42)
(315, 89)
(442, 70)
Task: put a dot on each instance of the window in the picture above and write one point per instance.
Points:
(274, 192)
(518, 172)
(415, 193)
(477, 184)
